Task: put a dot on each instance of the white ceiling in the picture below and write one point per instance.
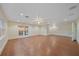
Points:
(51, 12)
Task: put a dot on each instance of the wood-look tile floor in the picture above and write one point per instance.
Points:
(41, 46)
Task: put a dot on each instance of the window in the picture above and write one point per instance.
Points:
(23, 30)
(2, 28)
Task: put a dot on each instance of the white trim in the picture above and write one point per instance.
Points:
(5, 38)
(78, 41)
(2, 37)
(61, 34)
(1, 49)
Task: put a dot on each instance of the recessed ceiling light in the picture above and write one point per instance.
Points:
(38, 22)
(53, 27)
(21, 14)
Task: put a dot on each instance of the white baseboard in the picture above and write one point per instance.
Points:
(1, 49)
(61, 35)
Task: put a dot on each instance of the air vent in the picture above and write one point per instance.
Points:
(73, 7)
(26, 16)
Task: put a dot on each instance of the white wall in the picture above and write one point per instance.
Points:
(12, 30)
(3, 38)
(35, 30)
(64, 29)
(32, 30)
